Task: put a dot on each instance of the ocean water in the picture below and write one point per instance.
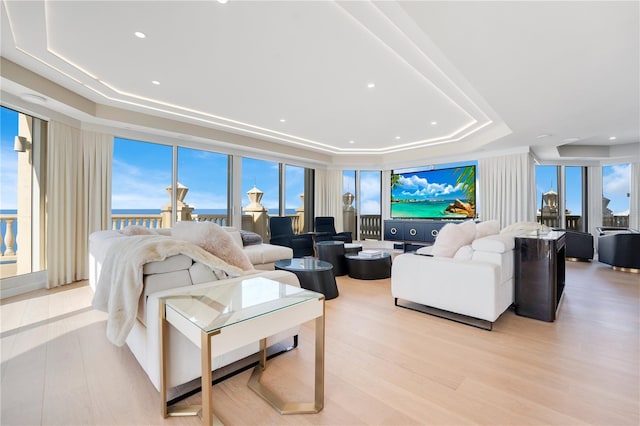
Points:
(423, 209)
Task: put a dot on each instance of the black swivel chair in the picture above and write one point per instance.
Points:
(326, 230)
(281, 229)
(619, 247)
(578, 245)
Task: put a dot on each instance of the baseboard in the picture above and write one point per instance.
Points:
(20, 284)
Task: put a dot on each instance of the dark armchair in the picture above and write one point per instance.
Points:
(326, 230)
(620, 248)
(281, 229)
(578, 245)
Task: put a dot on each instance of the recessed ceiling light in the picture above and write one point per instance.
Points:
(156, 82)
(223, 1)
(434, 123)
(543, 135)
(282, 120)
(571, 140)
(397, 137)
(371, 85)
(140, 34)
(352, 141)
(612, 138)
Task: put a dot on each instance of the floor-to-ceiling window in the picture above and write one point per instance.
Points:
(294, 177)
(206, 177)
(349, 200)
(575, 198)
(547, 195)
(141, 185)
(22, 170)
(616, 188)
(369, 195)
(261, 194)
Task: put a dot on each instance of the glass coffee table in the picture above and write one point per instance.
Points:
(221, 318)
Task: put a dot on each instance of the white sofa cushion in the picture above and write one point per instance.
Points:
(499, 243)
(453, 236)
(171, 263)
(235, 235)
(267, 253)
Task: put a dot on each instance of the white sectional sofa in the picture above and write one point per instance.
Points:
(175, 274)
(473, 285)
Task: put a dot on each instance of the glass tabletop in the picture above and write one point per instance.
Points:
(303, 264)
(223, 305)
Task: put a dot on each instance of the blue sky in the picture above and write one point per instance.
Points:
(615, 186)
(8, 159)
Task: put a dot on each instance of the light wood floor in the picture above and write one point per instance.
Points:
(384, 365)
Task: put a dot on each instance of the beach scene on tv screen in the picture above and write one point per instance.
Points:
(434, 194)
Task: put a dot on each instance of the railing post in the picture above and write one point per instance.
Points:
(9, 238)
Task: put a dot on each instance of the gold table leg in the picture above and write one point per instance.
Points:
(278, 403)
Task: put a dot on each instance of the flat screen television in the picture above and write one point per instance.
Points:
(448, 193)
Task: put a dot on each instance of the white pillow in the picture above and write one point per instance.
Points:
(464, 253)
(451, 237)
(213, 239)
(490, 227)
(521, 227)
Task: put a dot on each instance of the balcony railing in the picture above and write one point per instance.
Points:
(370, 227)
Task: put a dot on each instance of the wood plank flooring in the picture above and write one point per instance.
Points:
(383, 365)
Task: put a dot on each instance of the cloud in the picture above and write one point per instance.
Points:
(418, 187)
(370, 207)
(136, 188)
(617, 179)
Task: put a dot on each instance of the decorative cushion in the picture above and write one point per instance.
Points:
(138, 230)
(521, 227)
(453, 236)
(490, 227)
(212, 238)
(464, 253)
(250, 238)
(235, 234)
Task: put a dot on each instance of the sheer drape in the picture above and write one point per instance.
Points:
(78, 198)
(328, 195)
(594, 202)
(507, 188)
(634, 207)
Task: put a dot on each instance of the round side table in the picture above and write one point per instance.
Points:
(333, 252)
(313, 274)
(369, 268)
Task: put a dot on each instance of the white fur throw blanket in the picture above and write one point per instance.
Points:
(120, 283)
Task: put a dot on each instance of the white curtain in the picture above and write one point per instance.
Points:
(78, 198)
(634, 207)
(507, 189)
(328, 195)
(594, 201)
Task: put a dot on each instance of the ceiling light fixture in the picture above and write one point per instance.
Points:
(156, 82)
(612, 138)
(397, 137)
(352, 141)
(282, 120)
(433, 123)
(140, 34)
(223, 1)
(571, 140)
(543, 135)
(371, 85)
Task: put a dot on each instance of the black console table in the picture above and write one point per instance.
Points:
(539, 274)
